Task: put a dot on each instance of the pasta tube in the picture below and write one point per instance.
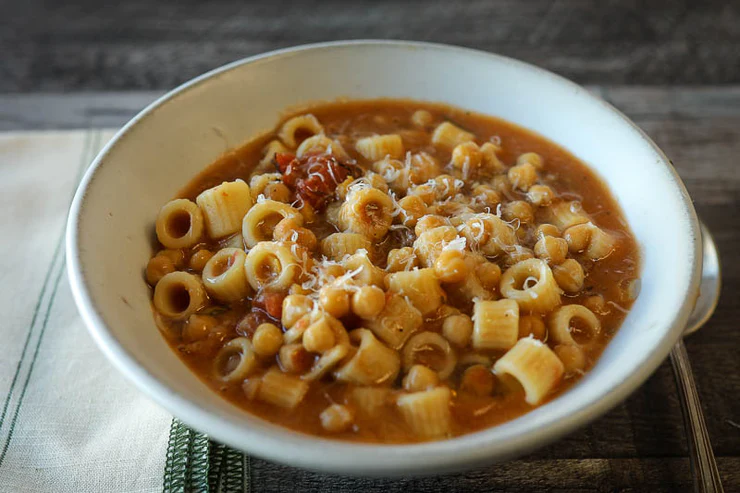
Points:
(534, 366)
(427, 413)
(224, 206)
(179, 224)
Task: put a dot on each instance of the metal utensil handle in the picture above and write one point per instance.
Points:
(703, 465)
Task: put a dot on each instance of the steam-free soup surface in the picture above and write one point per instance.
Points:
(392, 272)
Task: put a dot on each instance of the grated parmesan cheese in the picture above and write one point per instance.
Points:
(396, 227)
(320, 175)
(408, 264)
(617, 307)
(390, 174)
(458, 243)
(397, 209)
(333, 176)
(343, 282)
(512, 222)
(478, 224)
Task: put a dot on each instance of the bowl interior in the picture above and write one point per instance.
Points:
(111, 229)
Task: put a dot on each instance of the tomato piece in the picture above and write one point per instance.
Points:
(269, 302)
(314, 177)
(274, 304)
(282, 160)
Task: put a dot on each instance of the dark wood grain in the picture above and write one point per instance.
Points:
(639, 445)
(558, 475)
(138, 44)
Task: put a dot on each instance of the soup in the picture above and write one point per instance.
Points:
(392, 271)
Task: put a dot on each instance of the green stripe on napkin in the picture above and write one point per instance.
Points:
(196, 464)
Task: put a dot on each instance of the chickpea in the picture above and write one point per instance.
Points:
(333, 270)
(332, 212)
(422, 118)
(519, 254)
(501, 184)
(259, 182)
(450, 266)
(492, 163)
(456, 221)
(400, 259)
(334, 301)
(446, 186)
(199, 259)
(487, 195)
(596, 304)
(157, 268)
(369, 273)
(176, 256)
(523, 233)
(578, 237)
(368, 302)
(518, 209)
(532, 158)
(267, 340)
(420, 377)
(446, 311)
(547, 230)
(466, 156)
(343, 188)
(293, 358)
(412, 209)
(319, 337)
(336, 418)
(391, 170)
(294, 307)
(278, 192)
(423, 168)
(569, 275)
(376, 181)
(477, 380)
(489, 275)
(551, 249)
(532, 325)
(198, 327)
(573, 357)
(305, 238)
(298, 289)
(285, 228)
(308, 213)
(522, 176)
(450, 209)
(540, 195)
(424, 192)
(458, 329)
(430, 221)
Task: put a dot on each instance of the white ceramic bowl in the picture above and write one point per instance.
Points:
(109, 236)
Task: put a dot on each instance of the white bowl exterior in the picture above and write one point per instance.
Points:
(110, 230)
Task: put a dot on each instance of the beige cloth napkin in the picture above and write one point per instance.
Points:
(68, 421)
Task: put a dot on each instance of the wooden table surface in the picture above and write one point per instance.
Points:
(673, 67)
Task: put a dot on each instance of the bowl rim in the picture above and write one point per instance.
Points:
(298, 449)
